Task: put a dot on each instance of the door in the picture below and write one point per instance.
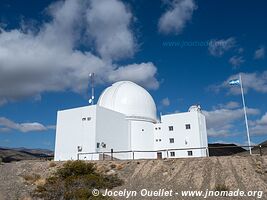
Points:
(159, 155)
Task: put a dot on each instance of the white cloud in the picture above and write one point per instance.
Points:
(259, 127)
(176, 17)
(143, 73)
(228, 105)
(217, 47)
(108, 24)
(165, 101)
(220, 122)
(236, 61)
(7, 125)
(251, 81)
(263, 120)
(259, 53)
(49, 60)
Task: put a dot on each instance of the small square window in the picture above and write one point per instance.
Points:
(172, 154)
(142, 129)
(79, 148)
(103, 145)
(159, 128)
(89, 118)
(187, 126)
(190, 153)
(160, 140)
(170, 128)
(171, 140)
(84, 118)
(97, 145)
(157, 140)
(156, 128)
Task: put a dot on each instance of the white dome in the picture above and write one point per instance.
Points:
(130, 99)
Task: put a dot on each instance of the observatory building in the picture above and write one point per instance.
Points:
(124, 125)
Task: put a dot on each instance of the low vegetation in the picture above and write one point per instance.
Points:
(76, 180)
(31, 178)
(221, 187)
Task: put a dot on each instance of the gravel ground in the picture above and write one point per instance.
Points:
(234, 172)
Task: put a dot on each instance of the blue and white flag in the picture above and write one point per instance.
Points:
(234, 82)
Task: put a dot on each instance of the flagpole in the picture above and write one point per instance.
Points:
(245, 112)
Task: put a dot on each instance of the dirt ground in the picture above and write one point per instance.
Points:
(233, 172)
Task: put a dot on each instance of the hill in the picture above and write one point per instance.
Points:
(218, 149)
(247, 173)
(17, 154)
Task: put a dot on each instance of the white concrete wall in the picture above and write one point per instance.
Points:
(73, 131)
(142, 136)
(194, 137)
(112, 129)
(203, 133)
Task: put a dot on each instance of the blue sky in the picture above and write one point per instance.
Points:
(183, 51)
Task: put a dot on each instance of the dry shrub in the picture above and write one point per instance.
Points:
(221, 187)
(76, 180)
(112, 166)
(52, 164)
(119, 167)
(31, 178)
(40, 182)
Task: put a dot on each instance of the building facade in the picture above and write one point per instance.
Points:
(124, 125)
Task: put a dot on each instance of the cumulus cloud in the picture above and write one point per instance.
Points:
(236, 61)
(259, 53)
(176, 17)
(165, 101)
(48, 58)
(217, 47)
(259, 127)
(143, 73)
(7, 125)
(228, 105)
(251, 81)
(108, 24)
(220, 122)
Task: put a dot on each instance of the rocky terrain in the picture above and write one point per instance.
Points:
(19, 179)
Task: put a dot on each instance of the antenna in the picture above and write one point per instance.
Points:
(91, 77)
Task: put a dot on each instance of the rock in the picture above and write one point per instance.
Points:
(165, 173)
(111, 172)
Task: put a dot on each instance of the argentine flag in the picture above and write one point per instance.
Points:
(234, 82)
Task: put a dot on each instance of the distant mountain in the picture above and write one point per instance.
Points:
(17, 154)
(218, 149)
(256, 150)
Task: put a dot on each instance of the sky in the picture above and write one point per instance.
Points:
(183, 52)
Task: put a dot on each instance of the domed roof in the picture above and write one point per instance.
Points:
(130, 99)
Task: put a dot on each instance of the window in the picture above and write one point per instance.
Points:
(142, 129)
(97, 145)
(171, 140)
(170, 128)
(159, 128)
(172, 153)
(187, 126)
(88, 118)
(103, 145)
(84, 118)
(190, 153)
(157, 140)
(160, 140)
(79, 148)
(156, 128)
